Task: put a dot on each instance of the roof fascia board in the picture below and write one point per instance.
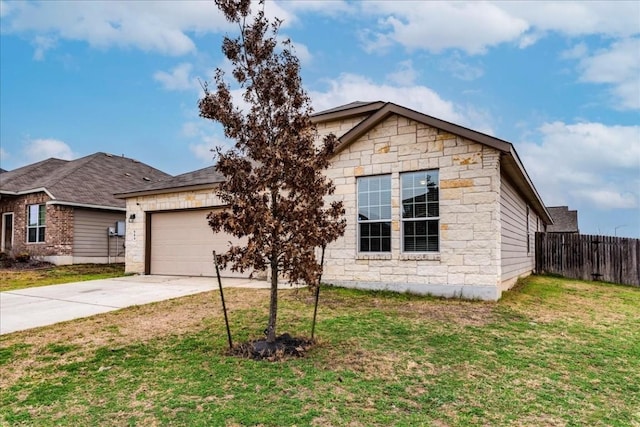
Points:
(85, 205)
(390, 108)
(541, 208)
(23, 192)
(349, 112)
(166, 190)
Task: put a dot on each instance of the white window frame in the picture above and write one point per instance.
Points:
(380, 220)
(426, 219)
(39, 225)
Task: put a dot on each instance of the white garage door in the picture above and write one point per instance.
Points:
(182, 244)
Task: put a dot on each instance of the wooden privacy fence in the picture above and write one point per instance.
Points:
(587, 257)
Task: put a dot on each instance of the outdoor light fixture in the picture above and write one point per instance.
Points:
(132, 217)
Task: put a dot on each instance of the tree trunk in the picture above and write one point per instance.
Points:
(273, 303)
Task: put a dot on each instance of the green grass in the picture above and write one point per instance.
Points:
(10, 280)
(551, 352)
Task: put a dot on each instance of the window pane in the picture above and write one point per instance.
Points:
(43, 213)
(374, 206)
(41, 234)
(385, 212)
(364, 245)
(434, 210)
(32, 235)
(417, 189)
(33, 215)
(374, 199)
(386, 229)
(420, 236)
(386, 244)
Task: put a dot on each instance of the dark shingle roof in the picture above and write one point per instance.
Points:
(564, 220)
(205, 177)
(349, 106)
(90, 180)
(2, 170)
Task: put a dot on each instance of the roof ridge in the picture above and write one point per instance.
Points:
(23, 170)
(74, 165)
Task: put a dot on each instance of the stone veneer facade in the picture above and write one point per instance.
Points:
(143, 205)
(468, 263)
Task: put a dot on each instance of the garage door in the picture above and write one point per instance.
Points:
(182, 244)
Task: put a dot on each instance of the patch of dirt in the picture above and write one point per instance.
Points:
(32, 264)
(284, 346)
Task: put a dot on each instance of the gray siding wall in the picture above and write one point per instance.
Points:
(90, 237)
(517, 259)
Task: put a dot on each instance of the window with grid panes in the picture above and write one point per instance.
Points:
(420, 211)
(36, 223)
(374, 213)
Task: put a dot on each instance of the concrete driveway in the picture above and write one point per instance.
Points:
(32, 307)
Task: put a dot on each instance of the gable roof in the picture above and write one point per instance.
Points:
(564, 220)
(379, 111)
(200, 179)
(90, 181)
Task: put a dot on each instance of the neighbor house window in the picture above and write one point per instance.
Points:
(374, 213)
(36, 223)
(420, 211)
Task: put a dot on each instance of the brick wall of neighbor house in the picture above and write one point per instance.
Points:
(468, 263)
(58, 223)
(135, 234)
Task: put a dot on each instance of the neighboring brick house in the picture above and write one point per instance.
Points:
(63, 211)
(431, 207)
(564, 220)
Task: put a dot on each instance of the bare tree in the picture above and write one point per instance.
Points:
(275, 186)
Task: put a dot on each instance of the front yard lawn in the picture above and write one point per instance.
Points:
(12, 278)
(551, 352)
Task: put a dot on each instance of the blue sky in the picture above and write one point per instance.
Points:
(560, 80)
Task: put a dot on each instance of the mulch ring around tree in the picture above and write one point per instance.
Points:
(285, 346)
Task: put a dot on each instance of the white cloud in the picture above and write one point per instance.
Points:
(149, 26)
(585, 164)
(205, 137)
(42, 44)
(41, 149)
(578, 18)
(578, 51)
(203, 152)
(618, 66)
(4, 155)
(350, 87)
(179, 78)
(164, 27)
(436, 26)
(474, 27)
(5, 8)
(405, 75)
(334, 8)
(461, 70)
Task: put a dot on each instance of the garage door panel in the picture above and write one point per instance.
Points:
(182, 243)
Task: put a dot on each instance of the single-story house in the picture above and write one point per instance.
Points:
(64, 211)
(564, 220)
(431, 207)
